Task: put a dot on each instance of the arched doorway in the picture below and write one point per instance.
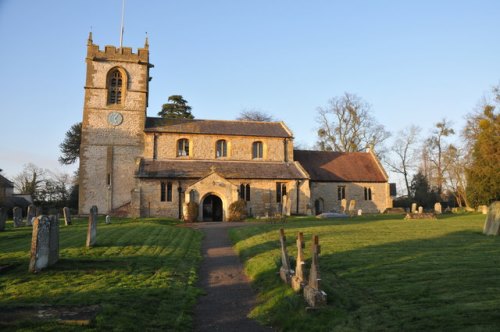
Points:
(318, 206)
(212, 208)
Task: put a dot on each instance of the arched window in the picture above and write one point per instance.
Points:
(245, 192)
(221, 149)
(115, 87)
(183, 147)
(257, 150)
(368, 194)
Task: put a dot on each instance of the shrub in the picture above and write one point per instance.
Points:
(237, 211)
(192, 212)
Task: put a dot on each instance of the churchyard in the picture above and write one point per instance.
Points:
(379, 272)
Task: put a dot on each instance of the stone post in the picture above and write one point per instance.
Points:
(298, 280)
(285, 270)
(53, 239)
(437, 208)
(40, 244)
(30, 214)
(313, 295)
(92, 227)
(3, 218)
(67, 216)
(17, 216)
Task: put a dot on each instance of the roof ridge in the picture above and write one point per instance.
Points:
(216, 120)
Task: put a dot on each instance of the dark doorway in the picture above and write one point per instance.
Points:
(318, 206)
(212, 208)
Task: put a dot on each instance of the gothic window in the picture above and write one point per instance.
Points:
(368, 194)
(340, 192)
(280, 191)
(245, 192)
(183, 148)
(115, 87)
(221, 149)
(257, 150)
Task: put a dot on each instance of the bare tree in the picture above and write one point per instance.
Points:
(255, 115)
(404, 151)
(435, 146)
(457, 161)
(347, 125)
(30, 180)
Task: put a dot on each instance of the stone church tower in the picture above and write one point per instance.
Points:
(114, 115)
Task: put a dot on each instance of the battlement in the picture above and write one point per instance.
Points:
(117, 53)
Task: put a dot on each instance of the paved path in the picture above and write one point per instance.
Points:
(229, 297)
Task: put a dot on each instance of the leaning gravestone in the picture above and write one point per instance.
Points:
(313, 295)
(17, 216)
(40, 240)
(30, 214)
(53, 239)
(298, 280)
(285, 269)
(438, 208)
(92, 228)
(3, 219)
(413, 207)
(492, 222)
(343, 205)
(67, 216)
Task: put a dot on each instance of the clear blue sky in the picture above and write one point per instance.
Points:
(414, 62)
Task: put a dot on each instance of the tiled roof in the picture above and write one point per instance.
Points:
(217, 127)
(227, 169)
(4, 182)
(340, 166)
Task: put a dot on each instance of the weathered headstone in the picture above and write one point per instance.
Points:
(285, 269)
(437, 208)
(420, 209)
(492, 222)
(3, 218)
(30, 214)
(313, 295)
(53, 239)
(352, 205)
(425, 215)
(360, 212)
(483, 209)
(343, 205)
(67, 216)
(92, 227)
(108, 220)
(40, 244)
(298, 280)
(17, 213)
(413, 207)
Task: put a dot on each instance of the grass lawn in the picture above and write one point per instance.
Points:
(381, 273)
(141, 274)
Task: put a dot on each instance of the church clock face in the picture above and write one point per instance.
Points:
(115, 118)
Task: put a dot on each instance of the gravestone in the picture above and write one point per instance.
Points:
(483, 209)
(53, 239)
(108, 220)
(285, 269)
(420, 209)
(492, 222)
(426, 215)
(313, 295)
(343, 205)
(17, 213)
(352, 205)
(30, 214)
(413, 207)
(40, 244)
(67, 216)
(438, 208)
(92, 227)
(298, 280)
(360, 212)
(3, 218)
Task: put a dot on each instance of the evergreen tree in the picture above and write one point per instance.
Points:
(70, 147)
(421, 192)
(176, 108)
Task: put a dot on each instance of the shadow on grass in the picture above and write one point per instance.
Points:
(444, 283)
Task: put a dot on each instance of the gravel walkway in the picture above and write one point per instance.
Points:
(229, 297)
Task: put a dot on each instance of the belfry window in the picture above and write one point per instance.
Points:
(115, 87)
(221, 149)
(183, 148)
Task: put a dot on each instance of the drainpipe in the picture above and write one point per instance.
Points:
(298, 196)
(179, 190)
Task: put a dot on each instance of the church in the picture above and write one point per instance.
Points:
(139, 166)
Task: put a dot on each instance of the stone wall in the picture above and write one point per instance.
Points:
(203, 147)
(328, 192)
